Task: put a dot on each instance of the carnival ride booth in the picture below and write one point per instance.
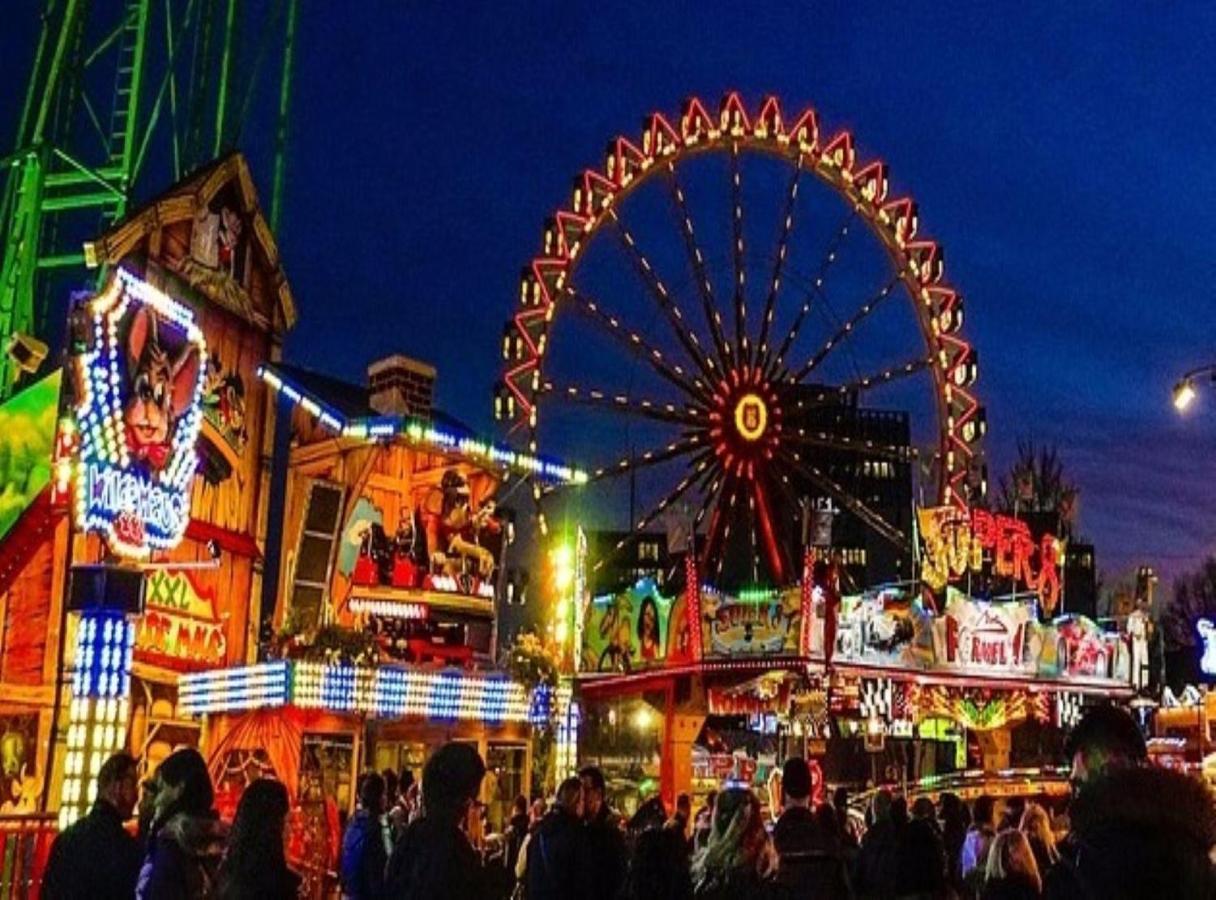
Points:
(384, 629)
(135, 493)
(747, 679)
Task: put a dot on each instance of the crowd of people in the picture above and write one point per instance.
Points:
(1134, 831)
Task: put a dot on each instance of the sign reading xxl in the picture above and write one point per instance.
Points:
(138, 386)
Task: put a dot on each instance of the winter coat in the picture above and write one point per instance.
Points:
(517, 830)
(558, 862)
(183, 857)
(93, 858)
(1139, 834)
(277, 883)
(810, 861)
(975, 849)
(435, 861)
(878, 861)
(737, 884)
(1009, 889)
(364, 858)
(606, 856)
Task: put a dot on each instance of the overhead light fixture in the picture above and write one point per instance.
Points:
(1184, 394)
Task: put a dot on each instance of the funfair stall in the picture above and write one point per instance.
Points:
(383, 635)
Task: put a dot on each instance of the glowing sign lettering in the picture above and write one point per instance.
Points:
(955, 540)
(181, 628)
(138, 387)
(132, 502)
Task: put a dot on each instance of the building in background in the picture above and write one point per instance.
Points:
(642, 556)
(885, 485)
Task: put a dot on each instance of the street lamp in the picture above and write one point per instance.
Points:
(1184, 390)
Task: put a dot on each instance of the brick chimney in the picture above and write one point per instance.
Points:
(400, 386)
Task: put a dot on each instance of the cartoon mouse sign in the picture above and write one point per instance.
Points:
(139, 381)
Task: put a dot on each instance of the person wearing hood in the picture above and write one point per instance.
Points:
(185, 837)
(557, 850)
(434, 858)
(1139, 833)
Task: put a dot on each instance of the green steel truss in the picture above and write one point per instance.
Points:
(124, 98)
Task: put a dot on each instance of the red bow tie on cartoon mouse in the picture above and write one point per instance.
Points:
(155, 455)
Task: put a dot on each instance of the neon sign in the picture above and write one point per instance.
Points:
(181, 626)
(139, 385)
(955, 540)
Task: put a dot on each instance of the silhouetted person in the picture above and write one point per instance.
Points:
(807, 845)
(94, 858)
(703, 821)
(255, 863)
(606, 858)
(434, 859)
(974, 857)
(364, 855)
(1105, 740)
(651, 814)
(186, 838)
(920, 863)
(1036, 825)
(659, 868)
(878, 859)
(738, 860)
(954, 822)
(1012, 873)
(1139, 833)
(517, 829)
(557, 849)
(681, 823)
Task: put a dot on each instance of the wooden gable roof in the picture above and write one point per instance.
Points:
(164, 229)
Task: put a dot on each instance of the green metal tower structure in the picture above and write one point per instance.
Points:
(125, 97)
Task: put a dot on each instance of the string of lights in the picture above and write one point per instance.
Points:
(97, 722)
(379, 692)
(423, 434)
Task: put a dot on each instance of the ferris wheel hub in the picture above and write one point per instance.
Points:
(751, 417)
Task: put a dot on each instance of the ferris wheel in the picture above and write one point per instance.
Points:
(738, 350)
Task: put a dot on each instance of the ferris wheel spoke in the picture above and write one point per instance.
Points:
(710, 483)
(637, 345)
(753, 541)
(764, 519)
(713, 500)
(737, 251)
(657, 510)
(846, 330)
(870, 517)
(731, 506)
(868, 382)
(713, 318)
(815, 289)
(637, 461)
(847, 444)
(783, 243)
(683, 331)
(670, 413)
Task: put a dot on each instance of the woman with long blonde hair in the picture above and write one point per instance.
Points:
(738, 859)
(1036, 825)
(1012, 873)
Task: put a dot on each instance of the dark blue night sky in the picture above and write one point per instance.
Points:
(1062, 156)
